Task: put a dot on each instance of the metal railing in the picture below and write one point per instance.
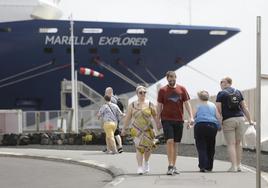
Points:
(83, 89)
(43, 121)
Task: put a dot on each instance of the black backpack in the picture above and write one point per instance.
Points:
(233, 100)
(120, 105)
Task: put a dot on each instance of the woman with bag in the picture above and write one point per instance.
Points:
(141, 112)
(110, 114)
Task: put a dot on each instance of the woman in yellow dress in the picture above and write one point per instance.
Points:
(141, 113)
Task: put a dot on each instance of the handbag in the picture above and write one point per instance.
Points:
(250, 137)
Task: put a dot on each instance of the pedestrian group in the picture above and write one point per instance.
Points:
(206, 119)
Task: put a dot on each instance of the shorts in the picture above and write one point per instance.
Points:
(109, 128)
(172, 130)
(233, 129)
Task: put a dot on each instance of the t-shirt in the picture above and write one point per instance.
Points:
(110, 112)
(222, 97)
(172, 100)
(206, 113)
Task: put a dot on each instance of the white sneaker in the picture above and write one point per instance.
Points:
(146, 167)
(239, 168)
(175, 170)
(140, 170)
(232, 169)
(108, 152)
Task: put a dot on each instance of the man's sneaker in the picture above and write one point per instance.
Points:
(239, 168)
(146, 167)
(104, 150)
(140, 170)
(170, 170)
(120, 150)
(176, 170)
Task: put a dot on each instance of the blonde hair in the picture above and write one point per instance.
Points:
(228, 80)
(203, 95)
(140, 87)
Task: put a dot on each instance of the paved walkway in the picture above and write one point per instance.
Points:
(123, 167)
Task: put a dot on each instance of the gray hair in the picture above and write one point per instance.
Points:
(109, 89)
(203, 95)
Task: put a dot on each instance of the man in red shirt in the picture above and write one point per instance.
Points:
(170, 110)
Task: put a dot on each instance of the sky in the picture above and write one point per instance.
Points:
(235, 57)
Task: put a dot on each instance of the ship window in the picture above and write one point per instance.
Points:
(135, 31)
(48, 30)
(92, 30)
(93, 50)
(114, 50)
(178, 31)
(6, 29)
(215, 32)
(68, 50)
(48, 50)
(136, 51)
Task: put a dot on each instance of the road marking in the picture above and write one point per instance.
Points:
(115, 182)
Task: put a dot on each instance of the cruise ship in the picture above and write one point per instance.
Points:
(35, 53)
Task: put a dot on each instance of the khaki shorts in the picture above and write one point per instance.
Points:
(109, 128)
(233, 129)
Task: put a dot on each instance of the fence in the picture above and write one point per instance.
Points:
(17, 121)
(10, 121)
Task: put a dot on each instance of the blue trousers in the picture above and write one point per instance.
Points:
(205, 134)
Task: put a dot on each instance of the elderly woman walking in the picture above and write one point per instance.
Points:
(141, 113)
(207, 124)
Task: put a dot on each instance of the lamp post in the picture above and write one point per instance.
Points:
(258, 102)
(74, 90)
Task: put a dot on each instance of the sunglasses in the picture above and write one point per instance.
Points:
(142, 92)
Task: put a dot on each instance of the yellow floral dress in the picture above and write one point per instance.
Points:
(142, 128)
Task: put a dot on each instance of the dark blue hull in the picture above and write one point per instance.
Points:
(149, 55)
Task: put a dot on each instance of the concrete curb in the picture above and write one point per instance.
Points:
(113, 171)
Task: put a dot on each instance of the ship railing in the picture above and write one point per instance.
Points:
(83, 89)
(90, 93)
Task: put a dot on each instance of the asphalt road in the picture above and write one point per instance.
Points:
(31, 173)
